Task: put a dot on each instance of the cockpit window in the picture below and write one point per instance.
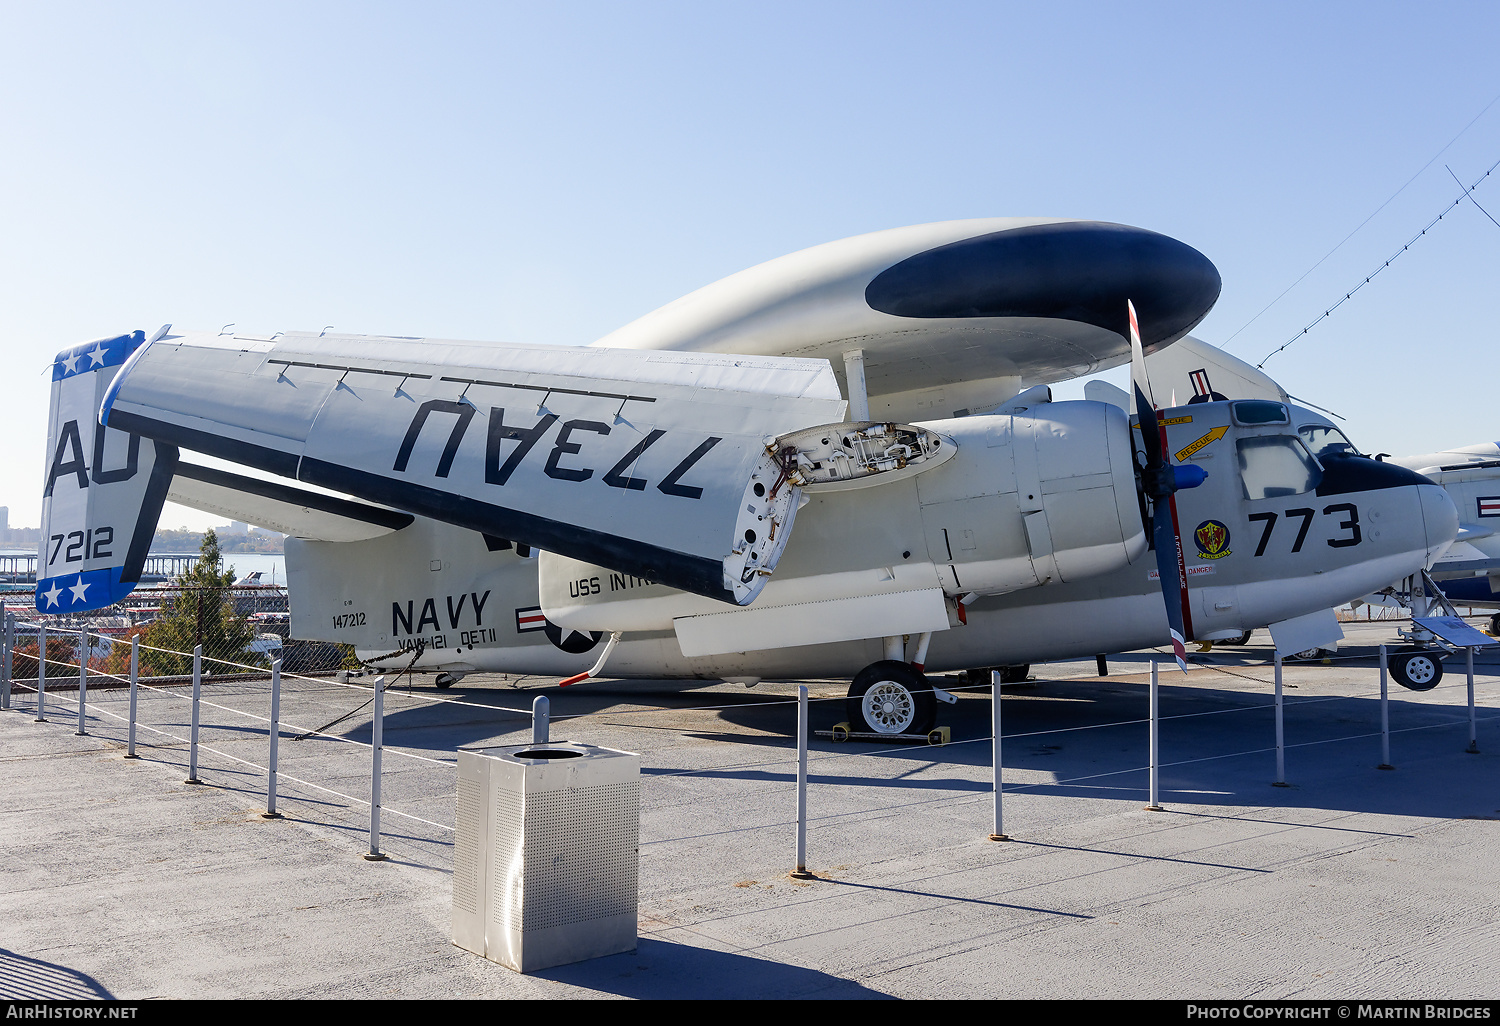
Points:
(1322, 440)
(1272, 465)
(1259, 411)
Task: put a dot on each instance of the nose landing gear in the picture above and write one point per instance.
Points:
(1418, 671)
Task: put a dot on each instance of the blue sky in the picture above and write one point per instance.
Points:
(548, 172)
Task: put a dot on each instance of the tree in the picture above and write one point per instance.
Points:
(202, 613)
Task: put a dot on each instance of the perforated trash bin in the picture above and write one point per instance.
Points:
(546, 861)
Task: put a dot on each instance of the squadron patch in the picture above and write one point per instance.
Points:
(1212, 539)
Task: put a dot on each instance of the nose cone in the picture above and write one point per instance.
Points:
(1439, 518)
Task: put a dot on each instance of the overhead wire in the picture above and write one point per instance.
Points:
(1410, 242)
(1472, 200)
(1366, 221)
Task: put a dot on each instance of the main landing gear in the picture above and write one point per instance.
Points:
(891, 697)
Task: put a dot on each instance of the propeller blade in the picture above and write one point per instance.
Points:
(1172, 571)
(1137, 355)
(1159, 481)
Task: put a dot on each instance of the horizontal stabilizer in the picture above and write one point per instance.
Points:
(279, 507)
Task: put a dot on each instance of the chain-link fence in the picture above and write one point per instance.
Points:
(241, 629)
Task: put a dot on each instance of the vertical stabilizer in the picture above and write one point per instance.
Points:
(103, 489)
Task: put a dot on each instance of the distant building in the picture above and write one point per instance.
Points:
(5, 524)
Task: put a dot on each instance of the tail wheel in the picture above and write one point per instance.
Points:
(1016, 674)
(1417, 671)
(890, 697)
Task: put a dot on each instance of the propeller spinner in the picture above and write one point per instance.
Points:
(1160, 481)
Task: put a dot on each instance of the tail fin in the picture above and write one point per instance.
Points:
(104, 488)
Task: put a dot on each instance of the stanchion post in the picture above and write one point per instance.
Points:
(998, 833)
(135, 675)
(801, 873)
(376, 746)
(541, 720)
(192, 777)
(83, 680)
(1473, 748)
(8, 662)
(275, 734)
(41, 673)
(1280, 780)
(1385, 712)
(1155, 804)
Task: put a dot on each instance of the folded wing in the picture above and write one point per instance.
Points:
(654, 464)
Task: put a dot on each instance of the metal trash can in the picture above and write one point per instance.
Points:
(546, 861)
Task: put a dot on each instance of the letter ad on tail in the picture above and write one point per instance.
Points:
(103, 489)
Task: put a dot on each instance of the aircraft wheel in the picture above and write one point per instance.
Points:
(1495, 625)
(1015, 674)
(1243, 639)
(1417, 671)
(890, 697)
(444, 681)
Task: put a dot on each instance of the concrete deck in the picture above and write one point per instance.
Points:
(119, 880)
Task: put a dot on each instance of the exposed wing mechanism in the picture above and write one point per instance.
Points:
(838, 456)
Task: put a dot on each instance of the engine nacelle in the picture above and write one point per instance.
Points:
(1045, 493)
(996, 504)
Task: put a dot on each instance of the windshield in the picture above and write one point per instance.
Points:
(1323, 440)
(1272, 465)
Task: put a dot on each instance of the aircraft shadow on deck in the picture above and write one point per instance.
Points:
(1088, 736)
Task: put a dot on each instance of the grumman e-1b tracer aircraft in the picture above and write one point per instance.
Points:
(830, 464)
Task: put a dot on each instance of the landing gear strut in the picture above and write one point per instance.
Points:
(891, 697)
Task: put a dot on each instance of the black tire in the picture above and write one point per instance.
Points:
(890, 697)
(1417, 671)
(1243, 639)
(444, 681)
(1495, 625)
(1015, 674)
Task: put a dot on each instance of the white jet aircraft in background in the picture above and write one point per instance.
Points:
(830, 464)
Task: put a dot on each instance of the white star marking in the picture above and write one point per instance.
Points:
(97, 355)
(573, 632)
(78, 589)
(71, 363)
(51, 596)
